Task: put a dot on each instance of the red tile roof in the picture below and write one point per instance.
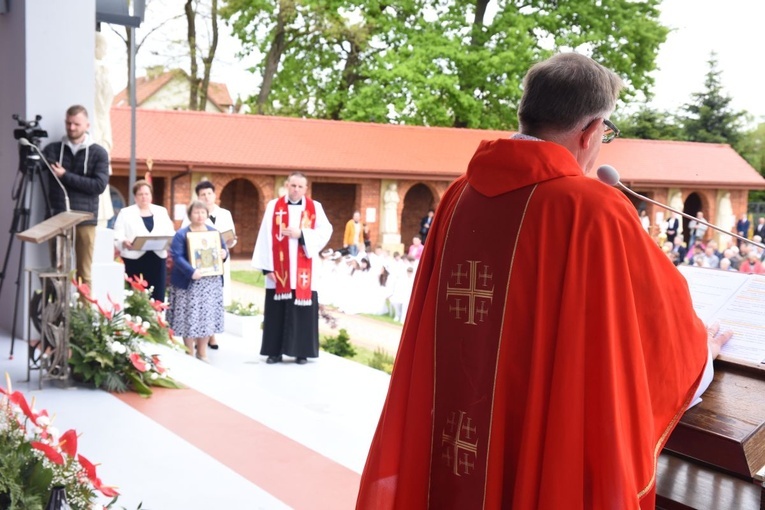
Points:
(146, 87)
(210, 141)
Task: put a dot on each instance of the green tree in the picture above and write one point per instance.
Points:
(431, 62)
(751, 146)
(650, 124)
(709, 117)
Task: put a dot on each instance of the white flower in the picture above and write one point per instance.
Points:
(146, 325)
(127, 316)
(43, 421)
(119, 348)
(54, 433)
(153, 376)
(138, 319)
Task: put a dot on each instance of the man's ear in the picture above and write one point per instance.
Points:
(586, 136)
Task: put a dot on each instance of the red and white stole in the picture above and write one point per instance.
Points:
(281, 253)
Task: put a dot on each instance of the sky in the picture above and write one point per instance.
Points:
(733, 29)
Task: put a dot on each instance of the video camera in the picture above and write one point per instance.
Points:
(29, 129)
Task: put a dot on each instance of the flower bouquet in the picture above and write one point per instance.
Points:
(35, 458)
(112, 347)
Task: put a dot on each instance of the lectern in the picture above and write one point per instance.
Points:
(52, 305)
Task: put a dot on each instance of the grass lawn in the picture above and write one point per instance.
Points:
(382, 318)
(255, 278)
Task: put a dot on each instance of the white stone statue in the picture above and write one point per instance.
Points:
(390, 208)
(101, 122)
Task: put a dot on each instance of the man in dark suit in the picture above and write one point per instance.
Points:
(742, 227)
(673, 225)
(677, 255)
(759, 229)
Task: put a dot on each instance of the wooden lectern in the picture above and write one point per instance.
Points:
(54, 305)
(715, 458)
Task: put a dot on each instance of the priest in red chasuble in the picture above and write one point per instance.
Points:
(544, 367)
(293, 232)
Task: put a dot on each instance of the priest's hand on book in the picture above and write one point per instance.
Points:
(717, 338)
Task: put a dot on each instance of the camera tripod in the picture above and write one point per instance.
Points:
(30, 170)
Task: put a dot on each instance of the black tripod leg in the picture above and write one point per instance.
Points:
(16, 304)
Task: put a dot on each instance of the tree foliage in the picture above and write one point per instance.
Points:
(709, 116)
(651, 124)
(430, 62)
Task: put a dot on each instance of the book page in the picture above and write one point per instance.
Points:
(745, 315)
(737, 301)
(154, 244)
(710, 288)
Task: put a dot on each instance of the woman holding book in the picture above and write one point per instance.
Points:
(196, 300)
(140, 220)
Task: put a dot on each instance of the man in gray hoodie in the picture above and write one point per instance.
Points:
(82, 166)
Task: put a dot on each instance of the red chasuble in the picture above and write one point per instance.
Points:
(551, 350)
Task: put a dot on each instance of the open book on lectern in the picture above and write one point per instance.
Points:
(737, 301)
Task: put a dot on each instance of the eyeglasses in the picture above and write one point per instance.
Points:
(609, 133)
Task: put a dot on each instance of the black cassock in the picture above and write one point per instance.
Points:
(290, 329)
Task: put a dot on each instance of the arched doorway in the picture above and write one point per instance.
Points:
(417, 201)
(691, 206)
(243, 199)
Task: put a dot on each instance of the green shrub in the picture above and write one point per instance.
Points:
(381, 360)
(245, 310)
(339, 345)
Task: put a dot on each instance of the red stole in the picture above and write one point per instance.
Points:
(281, 254)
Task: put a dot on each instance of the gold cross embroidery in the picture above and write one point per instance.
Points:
(472, 291)
(460, 452)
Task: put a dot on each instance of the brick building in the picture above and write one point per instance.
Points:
(351, 165)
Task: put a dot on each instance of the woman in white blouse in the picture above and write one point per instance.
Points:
(144, 219)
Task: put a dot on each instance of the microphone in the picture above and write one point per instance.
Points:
(27, 143)
(608, 175)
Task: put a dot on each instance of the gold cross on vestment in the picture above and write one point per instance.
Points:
(472, 291)
(459, 452)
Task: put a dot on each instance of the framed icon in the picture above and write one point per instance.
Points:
(204, 252)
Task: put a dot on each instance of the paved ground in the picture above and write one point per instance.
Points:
(363, 331)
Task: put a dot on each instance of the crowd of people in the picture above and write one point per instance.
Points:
(736, 255)
(375, 283)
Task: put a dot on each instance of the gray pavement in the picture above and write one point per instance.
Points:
(363, 331)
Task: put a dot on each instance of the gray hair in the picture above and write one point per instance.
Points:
(564, 92)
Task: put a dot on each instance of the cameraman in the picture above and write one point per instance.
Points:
(82, 166)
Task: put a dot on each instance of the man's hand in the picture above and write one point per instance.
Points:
(58, 169)
(717, 339)
(293, 232)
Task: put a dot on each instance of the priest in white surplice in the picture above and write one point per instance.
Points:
(293, 232)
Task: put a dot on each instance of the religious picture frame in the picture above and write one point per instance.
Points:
(150, 243)
(228, 235)
(204, 252)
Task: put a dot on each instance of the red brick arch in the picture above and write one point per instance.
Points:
(246, 197)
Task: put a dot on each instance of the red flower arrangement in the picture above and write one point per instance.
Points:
(113, 348)
(38, 458)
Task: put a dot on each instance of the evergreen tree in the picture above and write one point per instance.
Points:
(709, 117)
